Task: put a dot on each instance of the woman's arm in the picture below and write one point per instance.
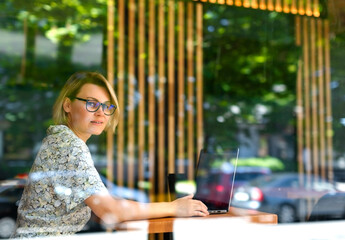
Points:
(113, 211)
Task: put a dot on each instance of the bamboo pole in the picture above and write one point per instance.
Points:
(110, 77)
(298, 30)
(301, 9)
(254, 4)
(246, 3)
(278, 7)
(321, 98)
(308, 149)
(307, 98)
(299, 111)
(199, 77)
(230, 2)
(314, 105)
(161, 100)
(238, 3)
(171, 88)
(329, 119)
(263, 5)
(191, 80)
(131, 93)
(308, 8)
(141, 89)
(270, 5)
(293, 7)
(316, 11)
(120, 89)
(286, 8)
(299, 107)
(181, 88)
(151, 96)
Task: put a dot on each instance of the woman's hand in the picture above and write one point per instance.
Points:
(187, 206)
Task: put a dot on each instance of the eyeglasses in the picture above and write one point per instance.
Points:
(93, 106)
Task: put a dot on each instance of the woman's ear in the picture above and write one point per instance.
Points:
(67, 105)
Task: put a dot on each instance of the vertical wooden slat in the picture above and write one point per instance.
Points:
(151, 96)
(293, 7)
(254, 4)
(301, 9)
(238, 3)
(329, 131)
(308, 160)
(306, 98)
(278, 6)
(298, 30)
(199, 77)
(110, 76)
(131, 92)
(286, 7)
(299, 107)
(246, 3)
(171, 88)
(316, 11)
(314, 105)
(190, 84)
(321, 98)
(181, 88)
(141, 89)
(263, 5)
(308, 10)
(270, 5)
(161, 100)
(120, 88)
(230, 2)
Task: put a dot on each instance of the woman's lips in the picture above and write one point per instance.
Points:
(97, 122)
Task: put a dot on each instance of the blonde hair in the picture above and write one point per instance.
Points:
(72, 88)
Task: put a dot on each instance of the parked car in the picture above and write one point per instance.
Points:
(282, 194)
(245, 174)
(11, 191)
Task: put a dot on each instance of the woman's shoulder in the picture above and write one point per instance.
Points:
(63, 134)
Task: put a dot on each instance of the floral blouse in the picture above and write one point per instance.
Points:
(61, 178)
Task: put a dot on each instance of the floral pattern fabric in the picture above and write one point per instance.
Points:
(62, 177)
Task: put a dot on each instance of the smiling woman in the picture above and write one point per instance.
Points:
(64, 186)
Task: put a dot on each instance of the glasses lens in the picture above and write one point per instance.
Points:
(92, 106)
(109, 109)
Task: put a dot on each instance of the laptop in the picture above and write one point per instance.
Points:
(214, 178)
(214, 181)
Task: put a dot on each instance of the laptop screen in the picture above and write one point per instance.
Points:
(214, 179)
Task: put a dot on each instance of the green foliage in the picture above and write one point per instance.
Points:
(249, 71)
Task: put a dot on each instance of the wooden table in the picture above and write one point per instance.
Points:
(166, 225)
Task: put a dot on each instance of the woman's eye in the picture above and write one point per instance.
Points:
(93, 104)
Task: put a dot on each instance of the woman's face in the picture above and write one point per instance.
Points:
(82, 122)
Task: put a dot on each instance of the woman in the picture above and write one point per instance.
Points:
(64, 186)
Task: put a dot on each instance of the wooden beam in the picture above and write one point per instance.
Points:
(120, 94)
(161, 100)
(131, 93)
(199, 77)
(110, 77)
(181, 87)
(171, 87)
(190, 84)
(151, 96)
(141, 89)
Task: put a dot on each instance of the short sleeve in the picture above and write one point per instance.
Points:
(77, 178)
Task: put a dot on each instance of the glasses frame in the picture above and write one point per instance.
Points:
(104, 106)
